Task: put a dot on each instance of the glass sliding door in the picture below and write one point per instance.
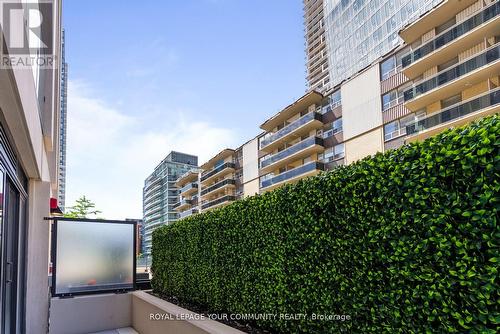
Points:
(13, 199)
(10, 251)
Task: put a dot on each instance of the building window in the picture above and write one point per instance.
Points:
(336, 99)
(333, 128)
(398, 127)
(339, 151)
(390, 100)
(391, 130)
(387, 68)
(394, 97)
(333, 153)
(331, 102)
(337, 125)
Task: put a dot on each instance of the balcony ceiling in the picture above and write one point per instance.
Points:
(221, 155)
(186, 178)
(312, 97)
(433, 18)
(297, 133)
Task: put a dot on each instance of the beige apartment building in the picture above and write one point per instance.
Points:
(453, 65)
(229, 175)
(292, 145)
(29, 166)
(189, 193)
(218, 180)
(444, 73)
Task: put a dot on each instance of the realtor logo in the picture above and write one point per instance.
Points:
(27, 32)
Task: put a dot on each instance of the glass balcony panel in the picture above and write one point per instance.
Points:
(189, 186)
(224, 199)
(291, 127)
(188, 213)
(315, 165)
(454, 112)
(456, 72)
(217, 186)
(183, 201)
(291, 150)
(453, 33)
(93, 256)
(216, 170)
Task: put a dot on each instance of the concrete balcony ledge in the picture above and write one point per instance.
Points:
(133, 312)
(146, 306)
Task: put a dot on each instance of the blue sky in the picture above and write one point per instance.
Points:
(148, 77)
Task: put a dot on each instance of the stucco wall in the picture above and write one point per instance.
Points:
(364, 145)
(361, 103)
(250, 160)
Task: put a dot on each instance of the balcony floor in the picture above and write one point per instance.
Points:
(127, 330)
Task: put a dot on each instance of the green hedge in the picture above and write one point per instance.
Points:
(405, 241)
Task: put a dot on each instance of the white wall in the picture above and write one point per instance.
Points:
(251, 160)
(251, 167)
(361, 103)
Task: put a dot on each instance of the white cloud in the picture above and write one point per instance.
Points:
(110, 153)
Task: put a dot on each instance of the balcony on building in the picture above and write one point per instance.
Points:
(216, 172)
(188, 212)
(189, 189)
(218, 187)
(218, 202)
(303, 125)
(456, 115)
(190, 176)
(301, 150)
(153, 185)
(269, 182)
(152, 200)
(302, 104)
(453, 80)
(218, 166)
(441, 13)
(183, 204)
(462, 36)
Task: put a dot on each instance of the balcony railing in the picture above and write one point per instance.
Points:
(291, 127)
(311, 141)
(188, 213)
(217, 186)
(189, 186)
(454, 112)
(183, 201)
(216, 170)
(79, 272)
(293, 173)
(227, 198)
(452, 33)
(456, 72)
